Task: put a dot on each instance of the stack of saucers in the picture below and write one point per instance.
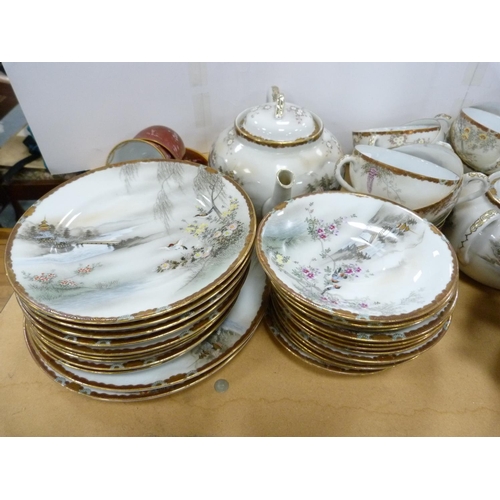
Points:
(358, 284)
(127, 269)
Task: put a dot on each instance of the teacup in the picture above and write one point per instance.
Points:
(490, 107)
(417, 132)
(438, 212)
(475, 137)
(399, 177)
(441, 154)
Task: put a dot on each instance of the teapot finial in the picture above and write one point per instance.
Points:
(279, 99)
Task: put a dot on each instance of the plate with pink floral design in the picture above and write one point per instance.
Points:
(357, 257)
(130, 241)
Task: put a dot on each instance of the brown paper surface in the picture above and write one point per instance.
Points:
(451, 390)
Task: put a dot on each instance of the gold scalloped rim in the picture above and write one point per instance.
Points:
(379, 321)
(148, 313)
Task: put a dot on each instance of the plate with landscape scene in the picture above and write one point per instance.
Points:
(180, 372)
(130, 241)
(357, 257)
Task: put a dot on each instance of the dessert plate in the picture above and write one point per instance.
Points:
(126, 332)
(357, 359)
(236, 330)
(106, 395)
(357, 257)
(113, 365)
(359, 337)
(130, 241)
(308, 357)
(155, 341)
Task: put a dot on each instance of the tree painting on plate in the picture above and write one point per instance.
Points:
(322, 278)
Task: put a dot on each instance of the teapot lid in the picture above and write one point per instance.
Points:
(278, 124)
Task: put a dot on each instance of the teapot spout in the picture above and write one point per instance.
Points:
(282, 190)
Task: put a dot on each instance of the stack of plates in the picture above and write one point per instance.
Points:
(359, 284)
(125, 273)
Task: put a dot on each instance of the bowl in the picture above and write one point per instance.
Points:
(136, 149)
(165, 137)
(195, 156)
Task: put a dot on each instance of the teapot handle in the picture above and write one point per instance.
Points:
(275, 96)
(483, 185)
(494, 177)
(481, 223)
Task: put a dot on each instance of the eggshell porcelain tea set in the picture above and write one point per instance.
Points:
(145, 276)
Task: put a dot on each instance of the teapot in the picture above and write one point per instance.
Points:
(473, 229)
(277, 136)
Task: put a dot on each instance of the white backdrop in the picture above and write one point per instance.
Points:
(79, 111)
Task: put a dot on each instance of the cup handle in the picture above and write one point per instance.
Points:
(477, 177)
(481, 223)
(445, 121)
(373, 140)
(444, 145)
(339, 172)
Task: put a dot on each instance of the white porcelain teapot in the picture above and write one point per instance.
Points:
(271, 137)
(473, 230)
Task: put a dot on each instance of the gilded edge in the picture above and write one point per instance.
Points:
(149, 313)
(438, 300)
(318, 130)
(368, 133)
(176, 382)
(480, 221)
(405, 173)
(479, 125)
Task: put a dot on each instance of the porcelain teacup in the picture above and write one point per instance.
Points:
(416, 132)
(438, 212)
(475, 137)
(440, 153)
(399, 177)
(490, 107)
